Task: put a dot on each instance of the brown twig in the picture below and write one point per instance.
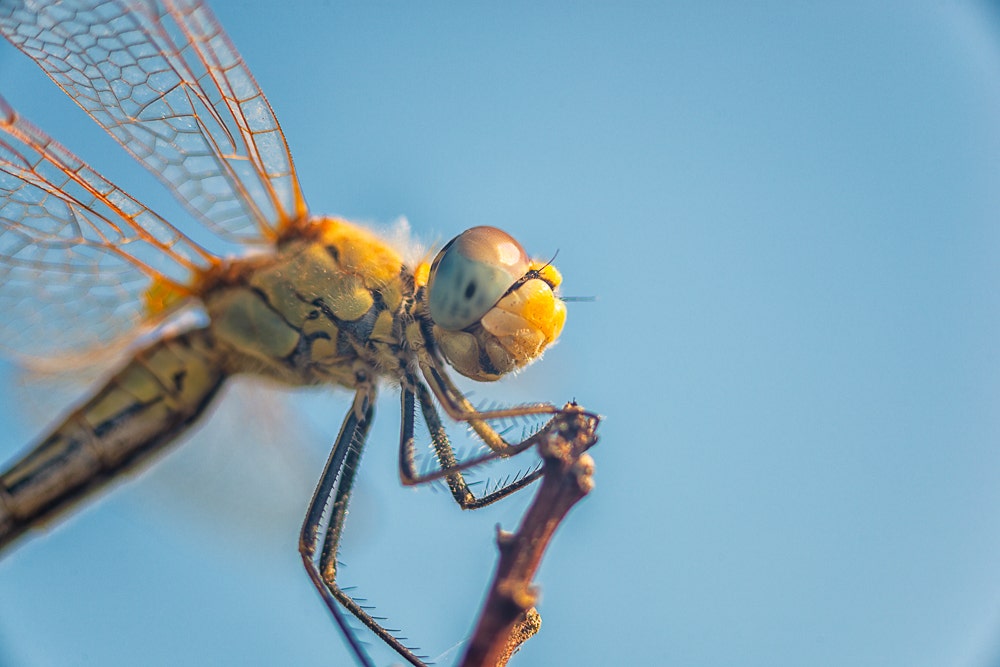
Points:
(508, 617)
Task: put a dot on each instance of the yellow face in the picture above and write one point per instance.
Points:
(494, 309)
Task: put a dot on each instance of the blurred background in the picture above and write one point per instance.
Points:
(789, 217)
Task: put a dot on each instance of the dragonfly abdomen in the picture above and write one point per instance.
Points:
(146, 405)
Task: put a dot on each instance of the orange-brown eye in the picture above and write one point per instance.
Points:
(471, 274)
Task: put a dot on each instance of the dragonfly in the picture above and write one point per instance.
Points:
(251, 284)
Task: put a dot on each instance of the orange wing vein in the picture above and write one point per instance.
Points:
(167, 83)
(78, 256)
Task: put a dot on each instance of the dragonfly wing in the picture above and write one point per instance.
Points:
(80, 260)
(165, 81)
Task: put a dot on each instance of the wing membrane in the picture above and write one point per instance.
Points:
(166, 82)
(78, 256)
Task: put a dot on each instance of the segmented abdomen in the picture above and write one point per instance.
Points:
(145, 406)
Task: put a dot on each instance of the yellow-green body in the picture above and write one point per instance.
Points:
(332, 304)
(329, 308)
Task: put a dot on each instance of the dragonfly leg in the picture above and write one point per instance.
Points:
(458, 407)
(444, 453)
(335, 484)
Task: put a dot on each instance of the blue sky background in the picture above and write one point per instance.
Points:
(789, 216)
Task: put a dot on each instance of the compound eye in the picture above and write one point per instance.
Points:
(471, 274)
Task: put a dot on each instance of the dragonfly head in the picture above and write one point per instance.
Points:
(494, 309)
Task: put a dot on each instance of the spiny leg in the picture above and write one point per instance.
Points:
(355, 427)
(458, 407)
(448, 394)
(336, 483)
(444, 453)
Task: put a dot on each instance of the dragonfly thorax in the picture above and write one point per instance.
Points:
(327, 308)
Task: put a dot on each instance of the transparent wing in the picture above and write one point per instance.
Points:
(166, 82)
(80, 260)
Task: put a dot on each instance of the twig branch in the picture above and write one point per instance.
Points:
(508, 617)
